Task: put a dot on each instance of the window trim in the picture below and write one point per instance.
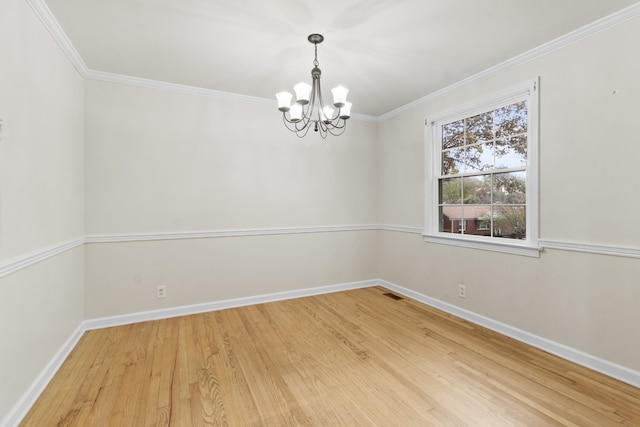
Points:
(528, 91)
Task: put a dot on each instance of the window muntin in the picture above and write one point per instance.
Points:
(476, 150)
(482, 179)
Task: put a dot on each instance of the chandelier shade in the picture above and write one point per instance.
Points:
(309, 110)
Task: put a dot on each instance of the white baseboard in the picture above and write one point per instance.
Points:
(166, 313)
(33, 392)
(31, 395)
(605, 367)
(27, 400)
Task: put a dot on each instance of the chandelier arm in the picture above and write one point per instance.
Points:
(337, 131)
(338, 124)
(322, 105)
(294, 127)
(322, 130)
(333, 129)
(303, 131)
(291, 125)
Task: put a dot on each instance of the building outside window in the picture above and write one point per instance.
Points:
(482, 180)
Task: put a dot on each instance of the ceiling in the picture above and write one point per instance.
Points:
(387, 52)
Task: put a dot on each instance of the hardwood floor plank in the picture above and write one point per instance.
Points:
(353, 358)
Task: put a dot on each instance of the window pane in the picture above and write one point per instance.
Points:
(476, 189)
(511, 120)
(479, 157)
(477, 220)
(510, 188)
(509, 222)
(450, 218)
(481, 170)
(453, 161)
(480, 128)
(453, 134)
(442, 226)
(450, 191)
(511, 152)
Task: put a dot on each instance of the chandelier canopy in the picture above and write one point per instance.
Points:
(309, 111)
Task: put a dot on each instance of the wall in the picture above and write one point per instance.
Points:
(589, 150)
(41, 200)
(139, 170)
(163, 162)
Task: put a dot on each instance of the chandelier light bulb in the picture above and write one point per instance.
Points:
(345, 111)
(326, 114)
(284, 101)
(339, 96)
(303, 91)
(295, 114)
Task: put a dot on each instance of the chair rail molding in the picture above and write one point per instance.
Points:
(18, 263)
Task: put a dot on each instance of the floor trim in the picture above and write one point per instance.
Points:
(125, 319)
(30, 396)
(605, 367)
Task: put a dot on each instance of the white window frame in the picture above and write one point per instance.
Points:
(482, 221)
(527, 91)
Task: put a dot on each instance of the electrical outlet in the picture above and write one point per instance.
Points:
(161, 291)
(462, 291)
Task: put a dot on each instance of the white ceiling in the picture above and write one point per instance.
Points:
(387, 52)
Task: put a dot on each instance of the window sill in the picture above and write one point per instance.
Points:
(503, 247)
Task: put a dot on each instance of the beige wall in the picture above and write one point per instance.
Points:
(121, 277)
(589, 150)
(41, 198)
(163, 161)
(159, 161)
(103, 159)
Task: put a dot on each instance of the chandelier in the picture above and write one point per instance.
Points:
(309, 110)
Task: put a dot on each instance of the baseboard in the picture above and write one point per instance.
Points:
(27, 400)
(166, 313)
(605, 367)
(31, 395)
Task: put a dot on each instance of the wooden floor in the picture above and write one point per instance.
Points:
(344, 359)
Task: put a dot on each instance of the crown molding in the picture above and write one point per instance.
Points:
(51, 24)
(588, 30)
(193, 90)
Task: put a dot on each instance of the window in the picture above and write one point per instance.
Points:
(482, 181)
(484, 224)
